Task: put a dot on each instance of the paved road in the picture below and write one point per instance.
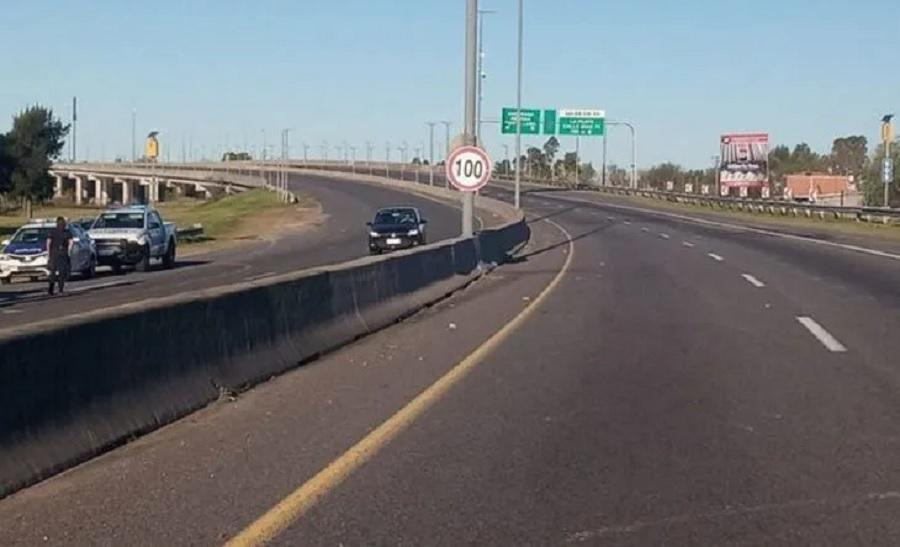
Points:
(339, 237)
(682, 384)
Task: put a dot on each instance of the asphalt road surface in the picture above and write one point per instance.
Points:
(341, 236)
(632, 379)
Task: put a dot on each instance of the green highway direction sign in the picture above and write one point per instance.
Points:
(576, 122)
(582, 122)
(531, 121)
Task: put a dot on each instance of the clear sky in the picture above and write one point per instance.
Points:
(212, 73)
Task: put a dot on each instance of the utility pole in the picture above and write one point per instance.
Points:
(471, 99)
(387, 159)
(715, 161)
(431, 151)
(517, 200)
(603, 168)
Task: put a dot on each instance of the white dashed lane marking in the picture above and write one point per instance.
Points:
(687, 244)
(753, 281)
(664, 236)
(830, 342)
(715, 257)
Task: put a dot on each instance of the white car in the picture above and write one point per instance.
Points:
(25, 253)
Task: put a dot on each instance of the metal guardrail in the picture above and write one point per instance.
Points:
(747, 205)
(187, 234)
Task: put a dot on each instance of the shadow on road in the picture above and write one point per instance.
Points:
(553, 214)
(526, 256)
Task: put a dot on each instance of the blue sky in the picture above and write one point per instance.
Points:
(211, 72)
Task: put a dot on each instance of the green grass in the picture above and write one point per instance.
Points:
(221, 218)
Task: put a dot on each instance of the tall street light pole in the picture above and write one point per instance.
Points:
(447, 139)
(481, 73)
(630, 126)
(517, 199)
(887, 135)
(133, 135)
(471, 100)
(431, 151)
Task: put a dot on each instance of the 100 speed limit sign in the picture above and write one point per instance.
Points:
(468, 168)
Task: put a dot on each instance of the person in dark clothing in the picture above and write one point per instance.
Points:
(59, 243)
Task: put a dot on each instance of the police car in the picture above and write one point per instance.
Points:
(24, 255)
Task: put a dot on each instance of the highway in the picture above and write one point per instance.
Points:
(339, 236)
(631, 379)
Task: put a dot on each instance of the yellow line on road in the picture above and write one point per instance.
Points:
(291, 508)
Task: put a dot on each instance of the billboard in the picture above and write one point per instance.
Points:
(744, 160)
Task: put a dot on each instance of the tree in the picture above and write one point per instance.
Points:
(617, 176)
(6, 165)
(849, 156)
(657, 176)
(551, 148)
(35, 141)
(586, 173)
(570, 160)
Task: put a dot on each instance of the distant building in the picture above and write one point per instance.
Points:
(822, 188)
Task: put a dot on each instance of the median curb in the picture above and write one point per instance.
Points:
(73, 388)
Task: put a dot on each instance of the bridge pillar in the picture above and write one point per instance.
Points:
(79, 189)
(101, 190)
(58, 187)
(127, 191)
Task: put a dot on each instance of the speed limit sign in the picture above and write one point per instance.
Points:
(468, 168)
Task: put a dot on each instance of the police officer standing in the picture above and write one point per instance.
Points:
(59, 243)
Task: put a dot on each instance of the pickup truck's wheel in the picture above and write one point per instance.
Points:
(169, 257)
(144, 264)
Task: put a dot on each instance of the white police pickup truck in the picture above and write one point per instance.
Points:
(133, 236)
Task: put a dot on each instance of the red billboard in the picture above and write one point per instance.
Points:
(744, 160)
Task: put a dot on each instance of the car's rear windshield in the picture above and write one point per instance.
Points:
(120, 220)
(31, 235)
(397, 216)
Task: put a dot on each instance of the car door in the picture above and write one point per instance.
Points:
(156, 233)
(77, 256)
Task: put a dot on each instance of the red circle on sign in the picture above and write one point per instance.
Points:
(468, 168)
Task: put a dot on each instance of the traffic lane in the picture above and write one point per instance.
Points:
(201, 479)
(340, 236)
(654, 399)
(853, 296)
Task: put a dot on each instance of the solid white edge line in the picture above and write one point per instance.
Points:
(753, 281)
(830, 342)
(715, 257)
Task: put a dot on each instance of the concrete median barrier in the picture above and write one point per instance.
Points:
(72, 388)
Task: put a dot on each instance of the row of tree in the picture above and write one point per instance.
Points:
(849, 156)
(26, 152)
(546, 163)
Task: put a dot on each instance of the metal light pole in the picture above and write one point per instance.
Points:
(447, 139)
(324, 147)
(387, 159)
(517, 200)
(506, 159)
(431, 152)
(305, 152)
(481, 73)
(133, 135)
(471, 100)
(369, 149)
(630, 126)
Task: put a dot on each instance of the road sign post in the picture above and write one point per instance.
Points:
(468, 168)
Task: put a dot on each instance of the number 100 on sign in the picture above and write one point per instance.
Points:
(468, 168)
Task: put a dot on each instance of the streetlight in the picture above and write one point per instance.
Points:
(506, 159)
(324, 148)
(517, 202)
(447, 138)
(481, 73)
(431, 152)
(630, 126)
